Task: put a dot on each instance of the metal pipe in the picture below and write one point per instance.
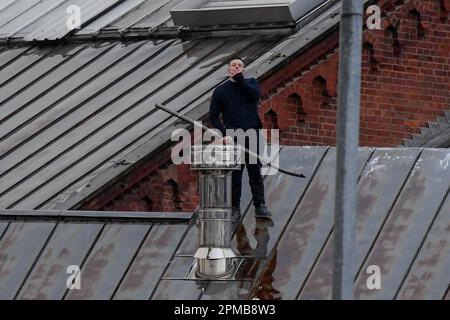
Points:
(249, 152)
(215, 163)
(347, 147)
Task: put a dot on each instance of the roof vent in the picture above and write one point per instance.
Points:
(215, 164)
(198, 13)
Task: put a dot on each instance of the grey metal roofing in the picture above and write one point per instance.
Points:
(45, 19)
(67, 112)
(403, 226)
(75, 117)
(36, 250)
(42, 20)
(133, 14)
(39, 20)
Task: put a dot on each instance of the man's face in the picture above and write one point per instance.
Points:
(235, 67)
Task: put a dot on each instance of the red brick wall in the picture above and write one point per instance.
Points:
(405, 80)
(405, 83)
(156, 186)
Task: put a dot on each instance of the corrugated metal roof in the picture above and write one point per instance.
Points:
(148, 15)
(70, 111)
(110, 16)
(42, 20)
(27, 20)
(36, 253)
(46, 19)
(403, 226)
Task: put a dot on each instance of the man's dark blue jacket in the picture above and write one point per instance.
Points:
(238, 103)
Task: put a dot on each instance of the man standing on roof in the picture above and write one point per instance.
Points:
(237, 101)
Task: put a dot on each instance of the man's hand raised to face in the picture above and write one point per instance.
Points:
(238, 77)
(233, 72)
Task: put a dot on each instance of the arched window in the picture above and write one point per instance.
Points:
(295, 102)
(416, 15)
(175, 192)
(271, 118)
(321, 92)
(148, 203)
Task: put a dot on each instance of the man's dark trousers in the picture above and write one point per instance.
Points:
(255, 178)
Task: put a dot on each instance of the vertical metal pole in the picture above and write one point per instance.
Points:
(347, 147)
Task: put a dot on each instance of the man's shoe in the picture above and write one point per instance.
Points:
(262, 212)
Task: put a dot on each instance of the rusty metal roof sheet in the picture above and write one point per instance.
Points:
(403, 226)
(115, 251)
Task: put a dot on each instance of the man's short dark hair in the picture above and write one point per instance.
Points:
(236, 58)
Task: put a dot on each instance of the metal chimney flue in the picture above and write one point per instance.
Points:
(215, 164)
